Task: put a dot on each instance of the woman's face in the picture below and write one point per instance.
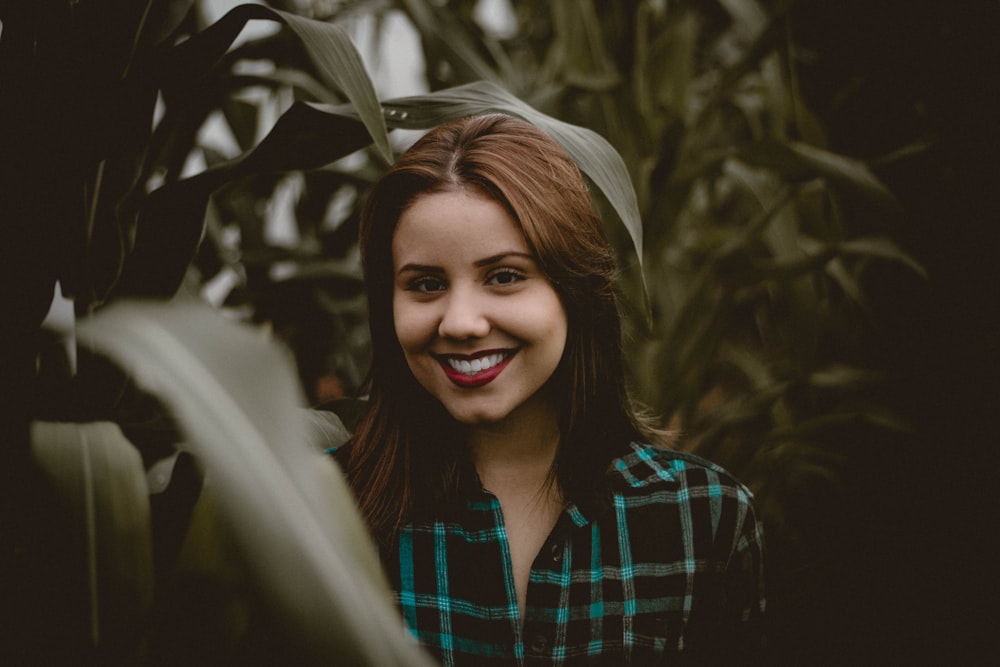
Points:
(480, 325)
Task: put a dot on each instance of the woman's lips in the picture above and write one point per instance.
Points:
(475, 370)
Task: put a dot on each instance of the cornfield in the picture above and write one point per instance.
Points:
(800, 194)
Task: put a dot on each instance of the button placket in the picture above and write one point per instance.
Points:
(539, 644)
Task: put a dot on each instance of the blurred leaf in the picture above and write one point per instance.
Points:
(162, 18)
(747, 15)
(750, 363)
(579, 46)
(867, 246)
(832, 256)
(440, 31)
(725, 86)
(736, 414)
(882, 248)
(873, 415)
(237, 399)
(327, 428)
(798, 161)
(242, 117)
(669, 87)
(843, 376)
(100, 477)
(842, 275)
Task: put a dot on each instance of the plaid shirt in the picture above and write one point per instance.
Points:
(665, 567)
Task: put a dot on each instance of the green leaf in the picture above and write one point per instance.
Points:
(676, 43)
(579, 46)
(171, 220)
(840, 376)
(871, 415)
(799, 161)
(242, 117)
(882, 248)
(328, 430)
(237, 399)
(162, 18)
(100, 477)
(440, 30)
(848, 281)
(747, 15)
(340, 66)
(328, 46)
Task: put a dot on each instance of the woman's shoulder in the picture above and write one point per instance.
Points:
(655, 486)
(646, 468)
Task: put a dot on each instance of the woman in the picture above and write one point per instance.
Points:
(519, 514)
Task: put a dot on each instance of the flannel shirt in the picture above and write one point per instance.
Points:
(663, 567)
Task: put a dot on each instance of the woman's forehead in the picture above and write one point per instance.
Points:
(456, 224)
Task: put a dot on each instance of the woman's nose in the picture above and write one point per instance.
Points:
(464, 315)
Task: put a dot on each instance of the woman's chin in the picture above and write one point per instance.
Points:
(476, 418)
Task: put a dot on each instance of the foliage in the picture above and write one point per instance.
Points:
(151, 587)
(285, 506)
(763, 253)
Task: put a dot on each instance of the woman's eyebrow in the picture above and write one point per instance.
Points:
(486, 261)
(420, 268)
(493, 259)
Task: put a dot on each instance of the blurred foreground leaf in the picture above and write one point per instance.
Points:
(237, 400)
(99, 476)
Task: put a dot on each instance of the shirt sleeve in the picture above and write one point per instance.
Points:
(744, 586)
(727, 623)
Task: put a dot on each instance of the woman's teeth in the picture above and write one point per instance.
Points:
(478, 365)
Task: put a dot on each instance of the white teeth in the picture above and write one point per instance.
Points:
(476, 365)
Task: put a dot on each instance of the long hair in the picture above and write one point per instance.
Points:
(406, 448)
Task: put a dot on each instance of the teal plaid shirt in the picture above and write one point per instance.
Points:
(664, 565)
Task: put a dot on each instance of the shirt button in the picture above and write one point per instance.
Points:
(539, 644)
(556, 552)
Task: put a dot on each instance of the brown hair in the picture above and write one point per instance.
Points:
(406, 447)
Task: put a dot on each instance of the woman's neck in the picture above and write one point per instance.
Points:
(514, 461)
(517, 454)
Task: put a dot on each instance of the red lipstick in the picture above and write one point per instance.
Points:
(475, 379)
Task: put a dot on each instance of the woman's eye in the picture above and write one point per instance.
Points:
(505, 277)
(426, 285)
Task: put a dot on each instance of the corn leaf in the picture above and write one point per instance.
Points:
(882, 248)
(440, 30)
(797, 161)
(579, 46)
(237, 400)
(172, 217)
(100, 477)
(328, 46)
(341, 67)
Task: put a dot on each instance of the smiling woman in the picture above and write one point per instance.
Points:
(472, 310)
(521, 516)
